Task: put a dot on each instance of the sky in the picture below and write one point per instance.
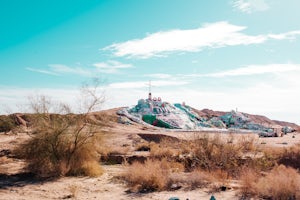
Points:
(222, 55)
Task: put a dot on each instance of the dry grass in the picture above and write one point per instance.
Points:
(158, 175)
(291, 157)
(211, 160)
(153, 175)
(281, 183)
(248, 143)
(192, 180)
(275, 155)
(162, 150)
(212, 153)
(248, 181)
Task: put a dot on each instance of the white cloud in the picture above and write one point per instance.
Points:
(64, 69)
(250, 6)
(60, 69)
(158, 76)
(277, 98)
(16, 98)
(214, 35)
(289, 35)
(253, 70)
(42, 71)
(111, 66)
(144, 84)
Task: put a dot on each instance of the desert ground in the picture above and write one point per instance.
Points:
(17, 183)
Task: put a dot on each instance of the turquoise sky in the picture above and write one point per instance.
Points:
(211, 54)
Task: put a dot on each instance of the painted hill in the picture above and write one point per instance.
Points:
(154, 111)
(259, 119)
(167, 115)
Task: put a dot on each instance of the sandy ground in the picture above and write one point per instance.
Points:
(15, 184)
(104, 187)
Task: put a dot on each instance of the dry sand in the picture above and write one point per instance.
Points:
(15, 185)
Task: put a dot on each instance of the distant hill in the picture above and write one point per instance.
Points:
(8, 122)
(259, 119)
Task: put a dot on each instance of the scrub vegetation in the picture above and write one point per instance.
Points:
(210, 161)
(63, 144)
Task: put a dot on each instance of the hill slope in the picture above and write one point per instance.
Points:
(259, 119)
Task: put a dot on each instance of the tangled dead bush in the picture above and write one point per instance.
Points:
(63, 144)
(61, 147)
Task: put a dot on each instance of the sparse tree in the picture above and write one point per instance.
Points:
(64, 144)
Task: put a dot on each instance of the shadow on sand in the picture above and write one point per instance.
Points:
(20, 180)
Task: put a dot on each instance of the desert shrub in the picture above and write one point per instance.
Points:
(153, 175)
(211, 153)
(162, 150)
(192, 180)
(281, 183)
(6, 123)
(214, 181)
(275, 156)
(59, 151)
(199, 179)
(248, 143)
(248, 178)
(63, 144)
(291, 157)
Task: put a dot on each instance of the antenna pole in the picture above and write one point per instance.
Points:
(150, 95)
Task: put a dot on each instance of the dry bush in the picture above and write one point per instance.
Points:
(164, 149)
(248, 143)
(281, 183)
(7, 123)
(63, 144)
(291, 157)
(153, 175)
(221, 177)
(192, 180)
(198, 178)
(273, 156)
(61, 153)
(212, 153)
(248, 178)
